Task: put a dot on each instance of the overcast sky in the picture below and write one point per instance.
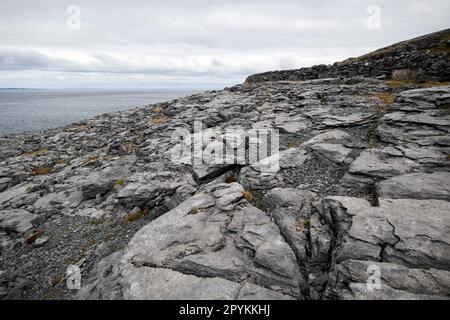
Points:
(190, 43)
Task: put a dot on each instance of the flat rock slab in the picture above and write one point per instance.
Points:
(13, 192)
(215, 240)
(149, 189)
(360, 291)
(406, 240)
(414, 233)
(380, 164)
(328, 136)
(357, 118)
(416, 186)
(292, 127)
(4, 183)
(146, 283)
(397, 282)
(418, 116)
(290, 209)
(333, 152)
(17, 220)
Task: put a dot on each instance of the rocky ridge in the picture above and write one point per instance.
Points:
(362, 187)
(422, 59)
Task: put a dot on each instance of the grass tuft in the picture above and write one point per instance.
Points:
(159, 119)
(119, 182)
(131, 147)
(405, 83)
(386, 98)
(247, 195)
(41, 170)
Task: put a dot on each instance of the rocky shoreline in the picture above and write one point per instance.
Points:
(362, 190)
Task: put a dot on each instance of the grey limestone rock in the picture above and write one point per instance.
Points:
(17, 220)
(416, 186)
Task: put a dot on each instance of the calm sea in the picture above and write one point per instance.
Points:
(30, 110)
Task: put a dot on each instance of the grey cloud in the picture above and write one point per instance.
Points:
(105, 63)
(207, 39)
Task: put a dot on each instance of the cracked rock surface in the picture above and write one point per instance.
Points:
(358, 189)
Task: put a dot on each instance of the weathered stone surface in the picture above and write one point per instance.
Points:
(380, 164)
(17, 220)
(332, 121)
(252, 292)
(60, 201)
(197, 238)
(290, 209)
(265, 174)
(397, 281)
(334, 152)
(419, 118)
(96, 185)
(400, 232)
(327, 137)
(409, 237)
(361, 292)
(416, 186)
(16, 191)
(4, 183)
(152, 189)
(360, 178)
(4, 172)
(145, 283)
(292, 126)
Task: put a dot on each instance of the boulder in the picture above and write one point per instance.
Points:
(17, 220)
